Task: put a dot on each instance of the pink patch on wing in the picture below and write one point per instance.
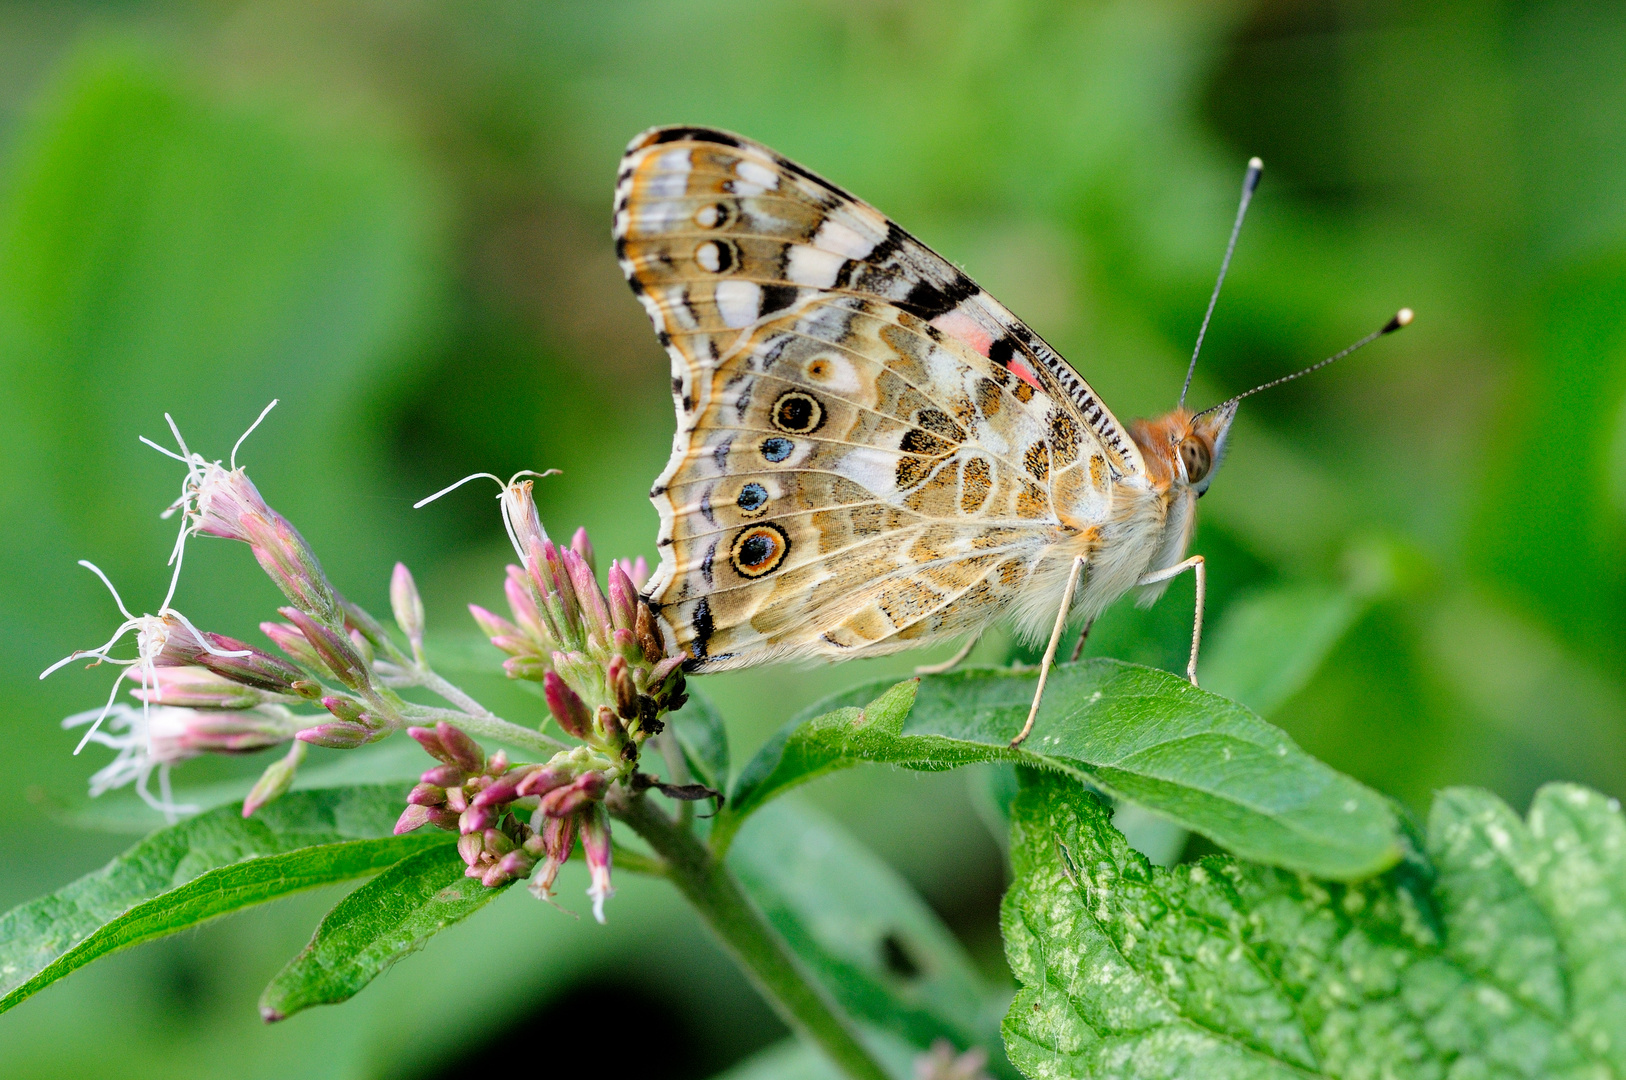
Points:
(958, 324)
(1021, 372)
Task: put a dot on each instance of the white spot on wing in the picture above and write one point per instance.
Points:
(843, 240)
(671, 177)
(738, 302)
(708, 257)
(813, 266)
(758, 173)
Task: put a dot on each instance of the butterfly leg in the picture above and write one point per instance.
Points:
(1050, 650)
(1196, 565)
(1078, 646)
(952, 662)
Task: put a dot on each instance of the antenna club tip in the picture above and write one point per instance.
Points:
(1402, 317)
(1256, 164)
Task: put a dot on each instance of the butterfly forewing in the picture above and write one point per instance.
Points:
(871, 451)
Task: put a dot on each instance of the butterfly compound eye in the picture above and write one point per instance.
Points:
(1194, 453)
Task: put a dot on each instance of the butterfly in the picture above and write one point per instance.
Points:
(872, 453)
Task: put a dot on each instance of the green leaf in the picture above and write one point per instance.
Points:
(862, 932)
(1202, 761)
(698, 728)
(1511, 962)
(209, 865)
(1270, 643)
(383, 921)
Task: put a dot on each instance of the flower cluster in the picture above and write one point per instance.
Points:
(605, 677)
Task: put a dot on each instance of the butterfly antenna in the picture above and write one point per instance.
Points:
(1249, 182)
(1401, 318)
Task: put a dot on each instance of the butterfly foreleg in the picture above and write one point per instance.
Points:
(1197, 566)
(1055, 639)
(952, 662)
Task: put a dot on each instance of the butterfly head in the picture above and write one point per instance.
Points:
(1183, 449)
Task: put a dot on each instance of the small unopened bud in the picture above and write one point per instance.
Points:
(276, 779)
(291, 641)
(596, 847)
(444, 776)
(364, 648)
(594, 608)
(492, 625)
(337, 652)
(338, 735)
(174, 734)
(471, 846)
(610, 725)
(530, 668)
(543, 780)
(476, 819)
(425, 794)
(196, 688)
(619, 675)
(623, 599)
(344, 707)
(567, 706)
(573, 796)
(583, 548)
(463, 750)
(516, 864)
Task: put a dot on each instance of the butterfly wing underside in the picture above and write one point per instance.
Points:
(871, 451)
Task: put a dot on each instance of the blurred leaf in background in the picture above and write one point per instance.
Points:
(394, 218)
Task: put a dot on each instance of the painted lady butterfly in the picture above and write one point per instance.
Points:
(873, 453)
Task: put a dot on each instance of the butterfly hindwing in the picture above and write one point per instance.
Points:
(863, 459)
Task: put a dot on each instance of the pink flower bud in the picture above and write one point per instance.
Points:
(578, 793)
(337, 652)
(444, 776)
(566, 705)
(516, 864)
(338, 735)
(463, 750)
(471, 846)
(596, 847)
(173, 734)
(623, 600)
(497, 843)
(291, 641)
(291, 564)
(493, 626)
(476, 819)
(531, 622)
(413, 817)
(583, 548)
(595, 611)
(195, 688)
(426, 794)
(345, 708)
(543, 780)
(431, 743)
(407, 605)
(222, 499)
(497, 764)
(457, 800)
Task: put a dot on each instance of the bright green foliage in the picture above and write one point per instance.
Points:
(385, 920)
(1505, 958)
(861, 931)
(698, 728)
(212, 864)
(1193, 757)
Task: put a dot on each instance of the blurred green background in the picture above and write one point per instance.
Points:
(395, 217)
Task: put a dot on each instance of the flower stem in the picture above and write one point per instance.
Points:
(755, 946)
(490, 727)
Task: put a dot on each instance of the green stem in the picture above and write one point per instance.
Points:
(755, 946)
(491, 727)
